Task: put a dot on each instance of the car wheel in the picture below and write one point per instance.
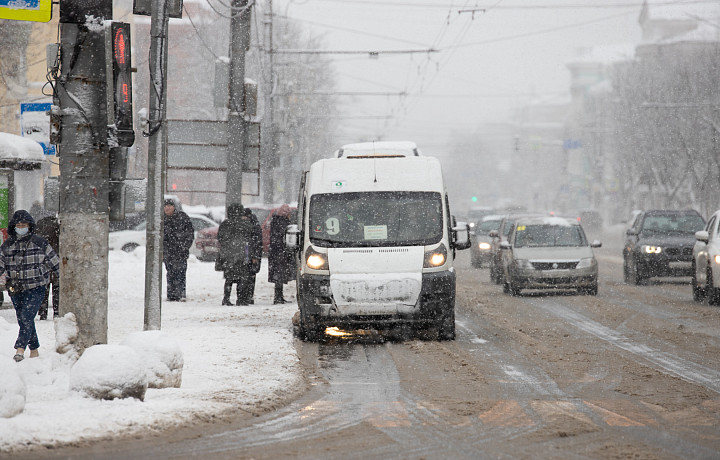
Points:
(697, 291)
(510, 288)
(634, 276)
(446, 326)
(310, 330)
(626, 270)
(712, 293)
(130, 247)
(592, 290)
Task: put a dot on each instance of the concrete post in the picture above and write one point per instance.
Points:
(84, 169)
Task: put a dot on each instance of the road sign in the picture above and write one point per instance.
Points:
(35, 124)
(197, 157)
(26, 10)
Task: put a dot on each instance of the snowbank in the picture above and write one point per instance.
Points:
(236, 359)
(13, 147)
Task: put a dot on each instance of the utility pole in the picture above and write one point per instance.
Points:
(237, 124)
(84, 167)
(268, 151)
(157, 161)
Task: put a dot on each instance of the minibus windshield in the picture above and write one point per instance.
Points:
(376, 219)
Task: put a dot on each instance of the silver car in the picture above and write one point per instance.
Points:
(549, 253)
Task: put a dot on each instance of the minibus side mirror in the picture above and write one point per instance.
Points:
(461, 236)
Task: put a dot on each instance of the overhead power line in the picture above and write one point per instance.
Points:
(548, 6)
(372, 53)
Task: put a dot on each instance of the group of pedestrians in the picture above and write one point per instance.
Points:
(30, 263)
(240, 250)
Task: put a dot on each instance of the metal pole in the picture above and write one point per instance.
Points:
(157, 160)
(267, 158)
(84, 170)
(237, 126)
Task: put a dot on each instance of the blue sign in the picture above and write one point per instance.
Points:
(569, 144)
(35, 124)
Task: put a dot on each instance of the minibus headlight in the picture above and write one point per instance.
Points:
(484, 246)
(435, 257)
(316, 260)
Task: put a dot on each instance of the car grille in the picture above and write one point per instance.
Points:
(678, 251)
(554, 265)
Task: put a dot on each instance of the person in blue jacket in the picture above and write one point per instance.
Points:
(28, 261)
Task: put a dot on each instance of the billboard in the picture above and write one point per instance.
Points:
(26, 10)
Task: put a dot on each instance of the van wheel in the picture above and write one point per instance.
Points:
(446, 326)
(711, 292)
(310, 331)
(698, 291)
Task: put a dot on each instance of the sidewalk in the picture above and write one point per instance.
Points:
(236, 359)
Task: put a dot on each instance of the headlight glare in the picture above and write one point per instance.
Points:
(648, 249)
(484, 246)
(717, 259)
(316, 260)
(436, 257)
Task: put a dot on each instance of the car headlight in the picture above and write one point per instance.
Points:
(586, 262)
(523, 264)
(484, 246)
(717, 259)
(435, 257)
(648, 249)
(316, 260)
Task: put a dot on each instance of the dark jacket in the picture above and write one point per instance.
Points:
(281, 262)
(178, 236)
(239, 241)
(49, 228)
(29, 259)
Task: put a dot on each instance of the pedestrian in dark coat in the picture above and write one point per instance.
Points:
(255, 266)
(28, 260)
(178, 236)
(281, 262)
(240, 252)
(49, 228)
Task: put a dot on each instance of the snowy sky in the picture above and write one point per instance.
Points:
(489, 63)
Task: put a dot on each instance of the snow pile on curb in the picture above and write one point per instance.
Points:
(235, 360)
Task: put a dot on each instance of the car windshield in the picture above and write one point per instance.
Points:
(376, 219)
(549, 236)
(673, 223)
(487, 226)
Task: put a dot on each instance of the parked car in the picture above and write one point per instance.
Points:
(481, 241)
(549, 253)
(129, 240)
(706, 263)
(660, 243)
(206, 241)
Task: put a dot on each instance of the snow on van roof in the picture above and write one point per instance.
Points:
(14, 147)
(379, 148)
(340, 175)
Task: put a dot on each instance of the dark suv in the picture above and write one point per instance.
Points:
(660, 243)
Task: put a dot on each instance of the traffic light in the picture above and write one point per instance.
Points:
(119, 80)
(474, 199)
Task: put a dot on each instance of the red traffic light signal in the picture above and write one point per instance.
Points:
(120, 114)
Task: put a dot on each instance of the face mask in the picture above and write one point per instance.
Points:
(21, 231)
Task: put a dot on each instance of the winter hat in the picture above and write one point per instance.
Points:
(170, 201)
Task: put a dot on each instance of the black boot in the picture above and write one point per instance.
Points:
(226, 294)
(278, 294)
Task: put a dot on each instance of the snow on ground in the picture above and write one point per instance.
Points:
(237, 359)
